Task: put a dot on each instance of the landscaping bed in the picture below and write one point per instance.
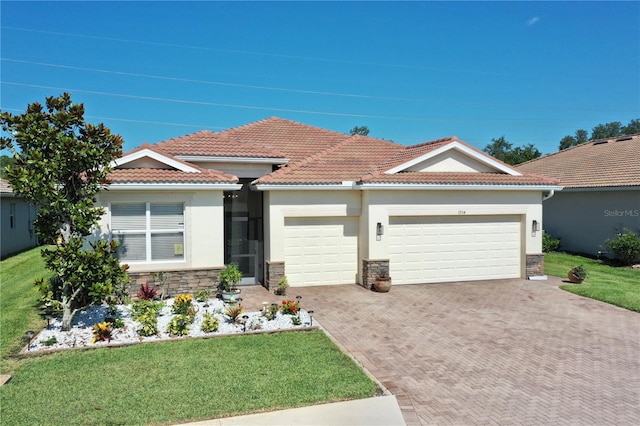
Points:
(117, 324)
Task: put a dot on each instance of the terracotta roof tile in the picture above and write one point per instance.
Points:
(147, 175)
(296, 141)
(207, 143)
(345, 161)
(456, 178)
(600, 163)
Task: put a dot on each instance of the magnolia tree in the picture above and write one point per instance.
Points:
(60, 164)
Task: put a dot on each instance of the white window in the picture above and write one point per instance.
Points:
(148, 232)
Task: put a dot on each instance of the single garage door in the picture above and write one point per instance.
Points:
(446, 249)
(321, 251)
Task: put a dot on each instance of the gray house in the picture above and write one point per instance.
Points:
(601, 194)
(16, 219)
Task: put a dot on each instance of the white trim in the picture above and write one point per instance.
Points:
(215, 159)
(155, 156)
(345, 185)
(458, 187)
(175, 186)
(485, 159)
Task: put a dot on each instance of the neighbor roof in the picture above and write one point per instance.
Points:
(601, 163)
(5, 188)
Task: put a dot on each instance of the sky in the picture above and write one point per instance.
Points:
(411, 72)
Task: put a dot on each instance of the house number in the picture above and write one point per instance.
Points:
(462, 212)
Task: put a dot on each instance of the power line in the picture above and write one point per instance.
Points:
(281, 89)
(263, 108)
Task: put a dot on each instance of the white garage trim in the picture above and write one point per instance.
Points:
(453, 248)
(321, 251)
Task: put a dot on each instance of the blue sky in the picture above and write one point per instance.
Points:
(413, 71)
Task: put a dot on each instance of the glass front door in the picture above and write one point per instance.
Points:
(243, 231)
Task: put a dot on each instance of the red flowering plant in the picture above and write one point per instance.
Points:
(290, 307)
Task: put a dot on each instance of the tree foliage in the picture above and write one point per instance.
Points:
(6, 162)
(601, 131)
(503, 150)
(359, 130)
(61, 163)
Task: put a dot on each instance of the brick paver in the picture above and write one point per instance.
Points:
(496, 353)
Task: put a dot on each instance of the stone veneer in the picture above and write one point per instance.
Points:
(535, 265)
(274, 271)
(177, 282)
(370, 270)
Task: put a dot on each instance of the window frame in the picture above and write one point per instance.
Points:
(148, 232)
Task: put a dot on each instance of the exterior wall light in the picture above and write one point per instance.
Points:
(379, 231)
(535, 227)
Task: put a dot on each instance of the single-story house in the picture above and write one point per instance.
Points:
(279, 197)
(16, 230)
(601, 195)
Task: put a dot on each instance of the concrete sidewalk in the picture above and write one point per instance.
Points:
(380, 410)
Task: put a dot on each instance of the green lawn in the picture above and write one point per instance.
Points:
(162, 383)
(616, 285)
(17, 301)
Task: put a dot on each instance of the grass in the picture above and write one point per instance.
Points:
(17, 301)
(162, 383)
(618, 286)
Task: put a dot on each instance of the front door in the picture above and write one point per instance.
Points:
(243, 231)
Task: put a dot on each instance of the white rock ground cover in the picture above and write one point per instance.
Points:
(81, 333)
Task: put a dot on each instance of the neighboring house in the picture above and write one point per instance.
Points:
(17, 216)
(601, 194)
(279, 197)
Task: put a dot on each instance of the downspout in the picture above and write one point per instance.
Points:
(550, 194)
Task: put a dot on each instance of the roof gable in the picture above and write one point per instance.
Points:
(451, 155)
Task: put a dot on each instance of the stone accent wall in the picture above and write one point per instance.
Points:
(177, 282)
(371, 268)
(535, 265)
(274, 271)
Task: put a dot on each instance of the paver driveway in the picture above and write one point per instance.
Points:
(501, 352)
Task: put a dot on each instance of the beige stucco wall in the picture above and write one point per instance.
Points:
(584, 220)
(204, 226)
(281, 204)
(384, 204)
(373, 206)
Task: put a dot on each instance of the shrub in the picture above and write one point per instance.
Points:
(148, 324)
(626, 246)
(203, 295)
(181, 304)
(290, 307)
(50, 341)
(147, 293)
(102, 332)
(179, 325)
(209, 323)
(283, 284)
(142, 307)
(549, 243)
(296, 320)
(233, 312)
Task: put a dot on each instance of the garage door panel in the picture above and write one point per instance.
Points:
(441, 249)
(321, 251)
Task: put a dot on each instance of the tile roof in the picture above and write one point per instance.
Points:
(212, 144)
(167, 174)
(459, 178)
(296, 141)
(346, 161)
(5, 188)
(596, 164)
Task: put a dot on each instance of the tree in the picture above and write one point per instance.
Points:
(581, 136)
(601, 131)
(61, 163)
(359, 130)
(503, 150)
(5, 162)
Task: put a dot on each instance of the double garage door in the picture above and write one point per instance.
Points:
(446, 249)
(321, 251)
